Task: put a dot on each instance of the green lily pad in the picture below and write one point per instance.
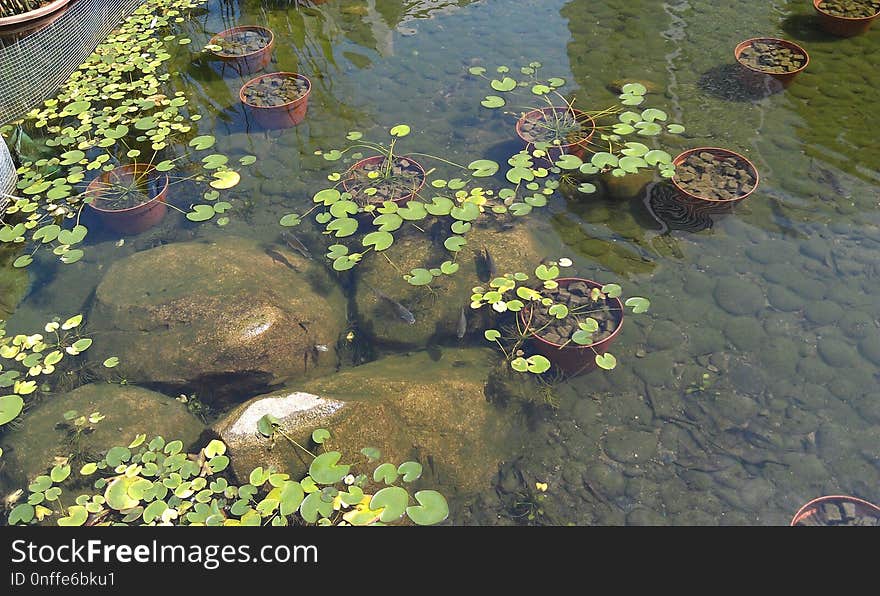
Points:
(454, 243)
(290, 220)
(675, 129)
(386, 473)
(324, 469)
(420, 277)
(411, 471)
(202, 142)
(201, 213)
(638, 304)
(10, 408)
(313, 506)
(388, 222)
(432, 508)
(393, 501)
(606, 361)
(401, 130)
(117, 496)
(492, 334)
(21, 513)
(568, 161)
(505, 84)
(290, 498)
(492, 101)
(225, 179)
(465, 212)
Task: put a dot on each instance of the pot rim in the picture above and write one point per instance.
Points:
(258, 78)
(232, 30)
(359, 165)
(577, 113)
(570, 345)
(811, 504)
(685, 154)
(34, 14)
(844, 19)
(737, 51)
(148, 168)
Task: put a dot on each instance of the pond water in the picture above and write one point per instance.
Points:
(775, 302)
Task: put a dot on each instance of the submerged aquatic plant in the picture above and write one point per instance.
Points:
(110, 112)
(156, 482)
(561, 315)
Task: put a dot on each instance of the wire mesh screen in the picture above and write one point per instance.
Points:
(7, 177)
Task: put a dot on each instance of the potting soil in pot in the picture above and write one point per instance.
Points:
(844, 513)
(772, 57)
(714, 177)
(576, 296)
(241, 43)
(851, 9)
(404, 178)
(276, 90)
(551, 126)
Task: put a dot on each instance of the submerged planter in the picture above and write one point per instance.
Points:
(111, 192)
(629, 186)
(714, 175)
(31, 15)
(833, 21)
(544, 124)
(574, 359)
(410, 180)
(246, 49)
(777, 58)
(837, 510)
(277, 99)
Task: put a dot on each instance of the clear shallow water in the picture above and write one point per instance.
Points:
(776, 301)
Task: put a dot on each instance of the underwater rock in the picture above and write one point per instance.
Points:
(823, 312)
(226, 319)
(128, 411)
(783, 299)
(664, 335)
(436, 314)
(745, 333)
(837, 353)
(630, 446)
(739, 296)
(870, 348)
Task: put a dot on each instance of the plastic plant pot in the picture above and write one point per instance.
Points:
(131, 220)
(843, 26)
(378, 159)
(284, 115)
(579, 148)
(31, 15)
(810, 513)
(250, 62)
(753, 75)
(574, 359)
(719, 152)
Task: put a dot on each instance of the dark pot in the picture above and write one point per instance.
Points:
(574, 359)
(693, 198)
(282, 116)
(754, 75)
(843, 26)
(580, 148)
(403, 199)
(134, 219)
(246, 63)
(812, 508)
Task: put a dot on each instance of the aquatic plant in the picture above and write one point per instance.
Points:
(156, 482)
(574, 145)
(31, 358)
(110, 112)
(541, 307)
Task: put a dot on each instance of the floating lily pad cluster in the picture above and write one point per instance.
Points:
(29, 359)
(851, 9)
(111, 111)
(156, 482)
(772, 57)
(562, 313)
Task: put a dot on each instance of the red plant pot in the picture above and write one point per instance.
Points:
(37, 13)
(574, 359)
(281, 116)
(251, 62)
(843, 26)
(379, 159)
(753, 75)
(812, 507)
(579, 148)
(701, 200)
(132, 220)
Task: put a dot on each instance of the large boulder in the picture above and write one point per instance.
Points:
(128, 411)
(436, 314)
(226, 319)
(421, 406)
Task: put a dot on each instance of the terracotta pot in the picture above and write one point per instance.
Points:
(31, 15)
(843, 26)
(378, 159)
(679, 159)
(753, 74)
(246, 63)
(580, 148)
(132, 220)
(812, 508)
(281, 116)
(574, 359)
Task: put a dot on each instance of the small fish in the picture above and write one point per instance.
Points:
(462, 325)
(490, 263)
(280, 258)
(399, 309)
(294, 243)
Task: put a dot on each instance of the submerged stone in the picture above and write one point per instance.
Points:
(128, 411)
(225, 319)
(630, 446)
(739, 296)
